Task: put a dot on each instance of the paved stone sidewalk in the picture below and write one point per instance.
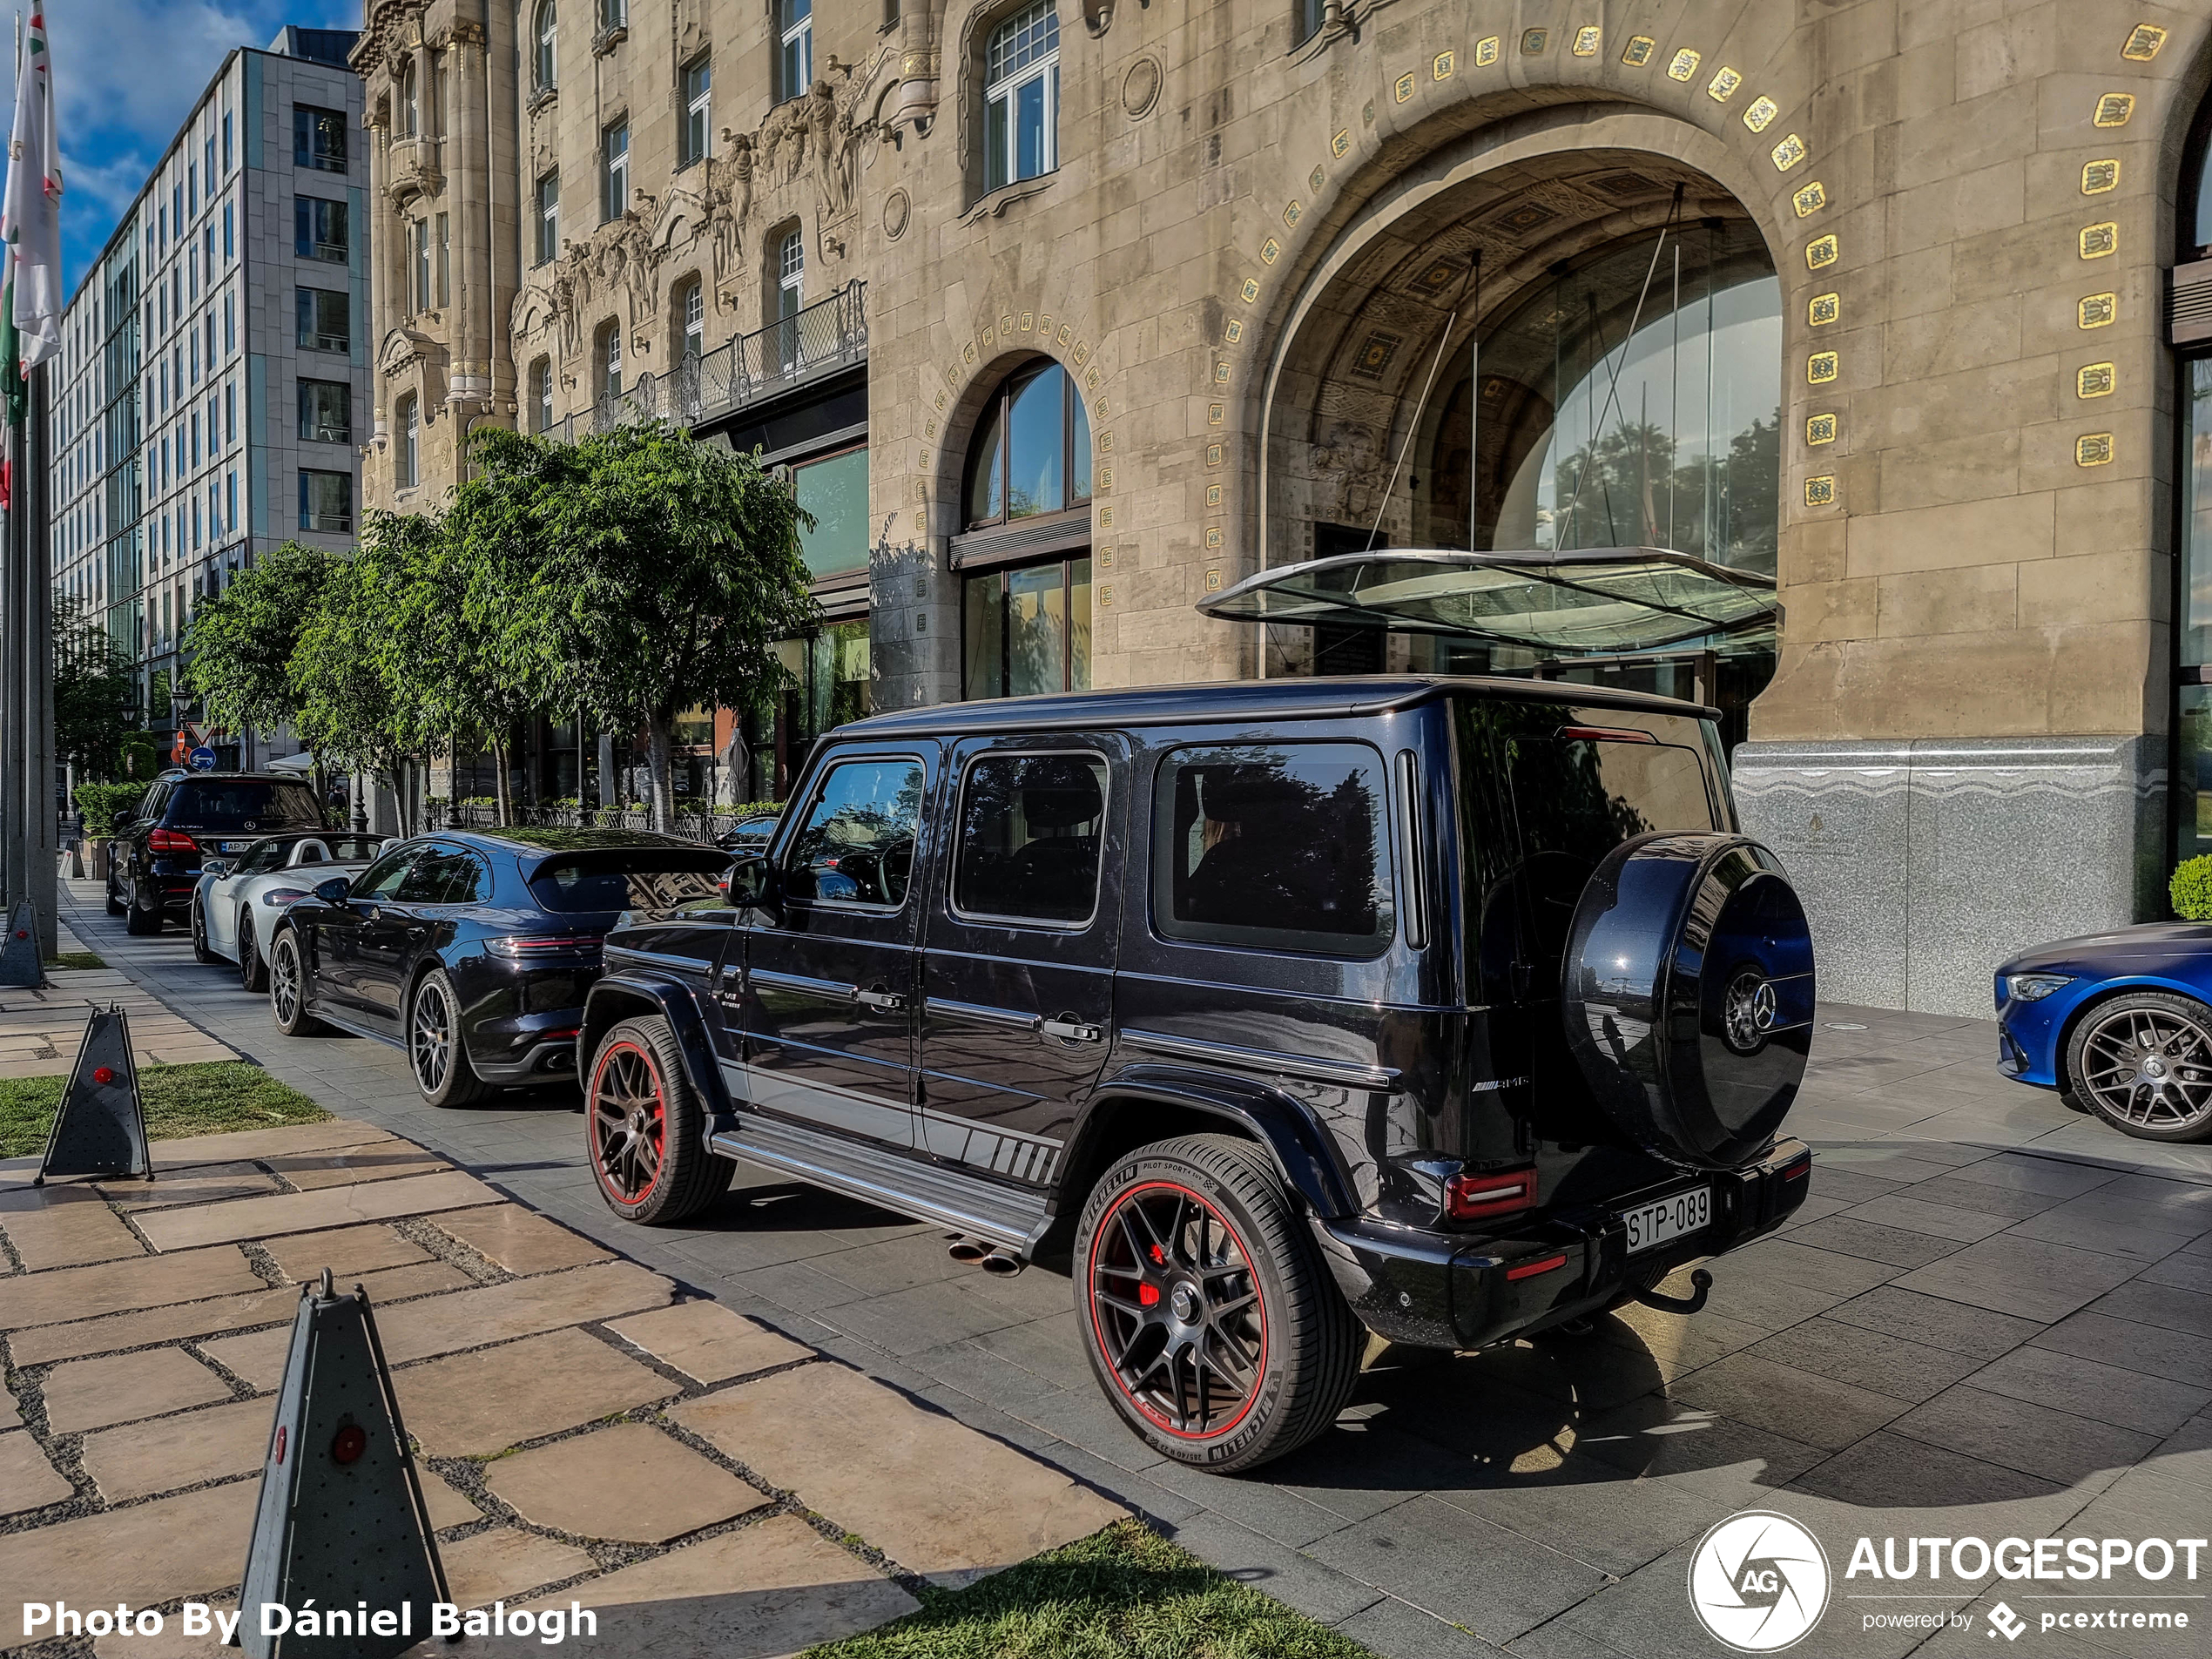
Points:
(589, 1431)
(1992, 1318)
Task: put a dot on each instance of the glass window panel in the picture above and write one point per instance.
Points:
(983, 636)
(1037, 629)
(2196, 626)
(1276, 847)
(836, 492)
(995, 144)
(984, 500)
(2193, 775)
(1079, 449)
(856, 846)
(1030, 832)
(1079, 624)
(1036, 441)
(1028, 129)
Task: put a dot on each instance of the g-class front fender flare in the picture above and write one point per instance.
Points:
(1300, 1147)
(621, 996)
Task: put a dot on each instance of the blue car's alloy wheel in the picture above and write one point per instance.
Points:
(2143, 1063)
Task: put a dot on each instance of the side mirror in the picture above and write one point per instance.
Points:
(753, 884)
(217, 867)
(334, 891)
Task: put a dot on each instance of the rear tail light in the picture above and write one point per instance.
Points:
(169, 841)
(1530, 1270)
(1478, 1197)
(531, 947)
(1605, 734)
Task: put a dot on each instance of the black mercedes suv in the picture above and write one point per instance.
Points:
(1453, 1009)
(154, 863)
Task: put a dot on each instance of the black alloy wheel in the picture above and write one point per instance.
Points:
(252, 971)
(200, 953)
(645, 1128)
(1209, 1317)
(435, 1052)
(142, 918)
(2143, 1063)
(289, 988)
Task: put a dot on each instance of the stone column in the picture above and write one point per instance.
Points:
(383, 294)
(468, 161)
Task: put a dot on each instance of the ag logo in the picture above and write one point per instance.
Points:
(1758, 1582)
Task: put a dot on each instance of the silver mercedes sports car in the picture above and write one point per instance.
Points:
(238, 899)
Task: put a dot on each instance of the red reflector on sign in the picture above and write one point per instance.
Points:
(23, 932)
(280, 1445)
(103, 1073)
(1530, 1270)
(351, 1441)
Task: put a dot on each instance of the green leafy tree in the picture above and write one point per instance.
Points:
(661, 572)
(240, 641)
(94, 690)
(353, 712)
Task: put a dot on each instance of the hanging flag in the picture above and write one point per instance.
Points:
(31, 224)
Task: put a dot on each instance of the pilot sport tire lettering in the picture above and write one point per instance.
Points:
(199, 950)
(1209, 1317)
(289, 988)
(252, 971)
(436, 1054)
(645, 1128)
(2144, 1062)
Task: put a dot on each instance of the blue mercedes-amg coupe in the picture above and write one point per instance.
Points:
(2119, 1024)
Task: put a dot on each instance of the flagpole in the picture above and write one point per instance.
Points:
(40, 853)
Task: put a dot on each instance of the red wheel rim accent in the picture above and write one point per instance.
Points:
(1175, 1308)
(628, 1122)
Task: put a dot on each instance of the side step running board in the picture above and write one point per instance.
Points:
(929, 1192)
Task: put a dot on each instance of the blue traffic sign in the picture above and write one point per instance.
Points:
(203, 758)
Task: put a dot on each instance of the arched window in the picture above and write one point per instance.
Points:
(408, 461)
(410, 102)
(795, 58)
(606, 354)
(1031, 453)
(542, 395)
(790, 275)
(690, 311)
(1022, 96)
(544, 33)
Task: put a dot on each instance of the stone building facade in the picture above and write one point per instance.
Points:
(1870, 299)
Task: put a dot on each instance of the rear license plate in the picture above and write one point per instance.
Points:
(1652, 1225)
(230, 847)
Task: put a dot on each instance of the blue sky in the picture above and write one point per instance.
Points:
(126, 72)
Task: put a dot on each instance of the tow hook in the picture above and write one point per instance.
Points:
(1700, 1284)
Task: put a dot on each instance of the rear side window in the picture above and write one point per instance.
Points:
(641, 877)
(244, 804)
(857, 844)
(1279, 847)
(444, 875)
(1029, 830)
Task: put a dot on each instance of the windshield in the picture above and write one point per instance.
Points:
(242, 804)
(653, 878)
(1547, 790)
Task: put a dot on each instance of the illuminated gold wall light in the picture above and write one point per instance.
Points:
(1684, 65)
(1821, 252)
(1213, 582)
(2093, 451)
(1213, 495)
(1823, 310)
(1213, 536)
(1533, 42)
(2114, 109)
(1402, 88)
(1723, 87)
(1234, 332)
(2094, 379)
(1810, 201)
(1788, 154)
(1339, 144)
(2096, 310)
(1443, 65)
(1486, 51)
(1586, 40)
(2143, 41)
(1821, 491)
(1822, 368)
(1250, 290)
(1761, 113)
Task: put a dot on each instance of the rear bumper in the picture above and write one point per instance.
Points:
(1449, 1291)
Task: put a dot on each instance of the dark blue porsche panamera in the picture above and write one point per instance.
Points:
(2119, 1024)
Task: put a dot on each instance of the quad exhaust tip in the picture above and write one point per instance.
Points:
(994, 1259)
(1002, 1264)
(968, 1252)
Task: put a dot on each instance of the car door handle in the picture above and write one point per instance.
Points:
(1070, 1030)
(887, 1000)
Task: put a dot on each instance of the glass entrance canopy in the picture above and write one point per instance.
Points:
(1561, 602)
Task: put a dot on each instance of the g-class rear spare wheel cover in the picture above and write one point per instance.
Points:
(1687, 991)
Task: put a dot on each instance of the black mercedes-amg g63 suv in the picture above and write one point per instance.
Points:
(1452, 1009)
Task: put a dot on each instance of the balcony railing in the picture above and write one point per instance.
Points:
(693, 826)
(826, 336)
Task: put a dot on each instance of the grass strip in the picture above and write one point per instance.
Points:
(78, 959)
(204, 1098)
(1123, 1593)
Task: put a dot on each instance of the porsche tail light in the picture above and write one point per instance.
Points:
(529, 947)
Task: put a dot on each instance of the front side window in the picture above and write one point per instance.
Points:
(1031, 453)
(1022, 96)
(542, 395)
(699, 103)
(549, 217)
(614, 171)
(325, 320)
(857, 844)
(382, 878)
(318, 139)
(410, 452)
(1273, 847)
(544, 35)
(795, 63)
(319, 230)
(1030, 826)
(326, 501)
(325, 412)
